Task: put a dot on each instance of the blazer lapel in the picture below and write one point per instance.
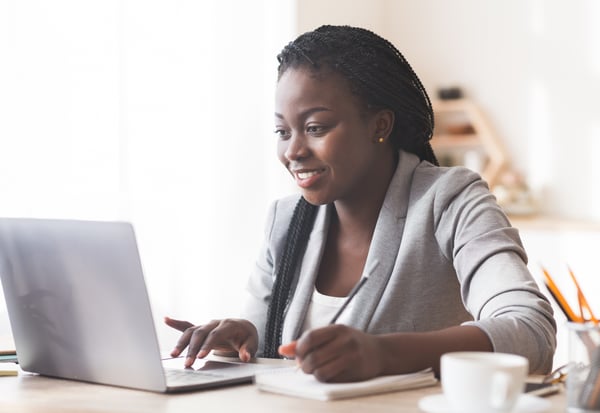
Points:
(385, 243)
(380, 259)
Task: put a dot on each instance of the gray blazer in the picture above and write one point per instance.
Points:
(447, 255)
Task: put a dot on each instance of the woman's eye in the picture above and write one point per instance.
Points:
(315, 129)
(282, 133)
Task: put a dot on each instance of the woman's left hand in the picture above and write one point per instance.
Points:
(337, 353)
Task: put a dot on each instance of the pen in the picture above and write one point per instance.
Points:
(289, 349)
(353, 292)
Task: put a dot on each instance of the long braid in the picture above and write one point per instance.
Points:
(378, 74)
(295, 244)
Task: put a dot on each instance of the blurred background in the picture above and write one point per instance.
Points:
(160, 113)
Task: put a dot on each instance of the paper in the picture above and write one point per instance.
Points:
(296, 383)
(9, 369)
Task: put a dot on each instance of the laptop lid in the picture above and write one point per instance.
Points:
(79, 308)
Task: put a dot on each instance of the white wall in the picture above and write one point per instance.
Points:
(532, 65)
(154, 112)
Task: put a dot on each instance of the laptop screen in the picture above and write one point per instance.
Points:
(78, 303)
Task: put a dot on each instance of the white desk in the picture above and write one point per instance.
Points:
(32, 394)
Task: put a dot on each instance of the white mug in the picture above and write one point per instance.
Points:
(483, 382)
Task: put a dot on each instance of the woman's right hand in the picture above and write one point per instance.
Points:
(228, 335)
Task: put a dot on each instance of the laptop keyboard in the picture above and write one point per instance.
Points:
(189, 376)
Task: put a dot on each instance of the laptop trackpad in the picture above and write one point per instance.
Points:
(217, 367)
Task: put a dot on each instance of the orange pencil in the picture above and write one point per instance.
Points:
(583, 302)
(560, 299)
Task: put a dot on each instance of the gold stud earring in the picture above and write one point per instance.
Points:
(380, 140)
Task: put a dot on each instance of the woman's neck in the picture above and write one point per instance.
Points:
(358, 214)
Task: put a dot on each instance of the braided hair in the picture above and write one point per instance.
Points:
(378, 74)
(295, 243)
(382, 78)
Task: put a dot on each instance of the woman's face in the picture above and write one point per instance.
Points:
(326, 138)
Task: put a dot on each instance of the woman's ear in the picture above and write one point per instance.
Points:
(383, 122)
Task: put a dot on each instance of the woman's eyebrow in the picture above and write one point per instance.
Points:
(306, 113)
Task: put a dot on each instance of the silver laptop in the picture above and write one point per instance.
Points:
(79, 308)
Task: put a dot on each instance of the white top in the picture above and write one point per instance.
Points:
(321, 310)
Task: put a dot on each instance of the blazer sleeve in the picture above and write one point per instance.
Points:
(491, 264)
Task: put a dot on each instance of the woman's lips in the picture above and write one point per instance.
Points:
(306, 178)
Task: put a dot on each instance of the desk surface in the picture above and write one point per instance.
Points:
(32, 393)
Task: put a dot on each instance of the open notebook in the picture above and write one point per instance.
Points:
(79, 308)
(292, 382)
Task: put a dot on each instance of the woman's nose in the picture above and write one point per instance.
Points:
(297, 147)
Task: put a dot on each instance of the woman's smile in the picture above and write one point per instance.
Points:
(306, 178)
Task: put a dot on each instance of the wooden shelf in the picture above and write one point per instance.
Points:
(448, 141)
(461, 128)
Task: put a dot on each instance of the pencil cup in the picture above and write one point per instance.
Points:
(583, 373)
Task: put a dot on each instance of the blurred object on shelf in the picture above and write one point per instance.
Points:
(462, 136)
(474, 160)
(513, 194)
(465, 128)
(446, 93)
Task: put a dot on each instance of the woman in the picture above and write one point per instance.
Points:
(446, 270)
